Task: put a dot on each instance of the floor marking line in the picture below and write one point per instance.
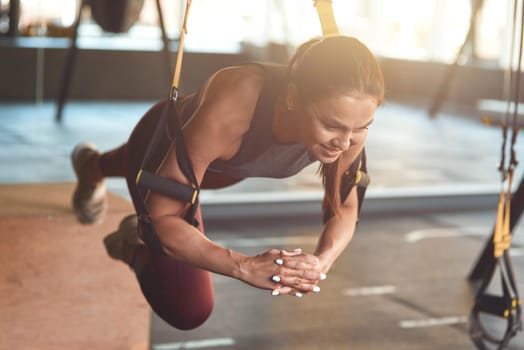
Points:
(366, 291)
(433, 322)
(418, 235)
(195, 344)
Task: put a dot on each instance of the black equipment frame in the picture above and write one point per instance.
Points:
(73, 50)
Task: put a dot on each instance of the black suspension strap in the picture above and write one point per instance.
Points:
(147, 179)
(507, 305)
(355, 176)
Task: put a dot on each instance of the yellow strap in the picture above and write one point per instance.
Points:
(138, 176)
(195, 196)
(178, 66)
(358, 177)
(506, 233)
(502, 233)
(327, 18)
(499, 227)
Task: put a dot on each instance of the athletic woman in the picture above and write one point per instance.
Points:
(252, 120)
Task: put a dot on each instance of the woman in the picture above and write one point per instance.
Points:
(250, 120)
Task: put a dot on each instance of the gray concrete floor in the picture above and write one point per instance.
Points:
(400, 285)
(409, 155)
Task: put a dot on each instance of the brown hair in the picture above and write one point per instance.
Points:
(339, 64)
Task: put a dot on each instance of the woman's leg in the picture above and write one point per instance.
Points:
(180, 294)
(92, 167)
(113, 163)
(89, 197)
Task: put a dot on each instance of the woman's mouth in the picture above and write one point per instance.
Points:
(330, 152)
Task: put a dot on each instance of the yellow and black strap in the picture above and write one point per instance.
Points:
(507, 305)
(147, 179)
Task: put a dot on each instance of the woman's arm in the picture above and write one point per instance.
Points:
(336, 235)
(339, 229)
(338, 232)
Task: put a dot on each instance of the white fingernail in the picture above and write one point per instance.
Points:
(316, 289)
(298, 295)
(323, 276)
(275, 278)
(279, 261)
(275, 292)
(298, 250)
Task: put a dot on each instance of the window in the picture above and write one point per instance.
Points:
(41, 11)
(407, 29)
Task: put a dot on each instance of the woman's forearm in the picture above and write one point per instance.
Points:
(337, 234)
(185, 243)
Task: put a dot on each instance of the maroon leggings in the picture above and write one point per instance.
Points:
(180, 294)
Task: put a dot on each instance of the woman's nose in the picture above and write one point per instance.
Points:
(344, 141)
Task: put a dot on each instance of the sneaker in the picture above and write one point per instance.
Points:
(121, 244)
(89, 198)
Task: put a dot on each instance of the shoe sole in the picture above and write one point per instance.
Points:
(77, 165)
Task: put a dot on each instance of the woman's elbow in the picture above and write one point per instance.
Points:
(170, 232)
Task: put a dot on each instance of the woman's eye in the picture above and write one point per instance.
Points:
(329, 125)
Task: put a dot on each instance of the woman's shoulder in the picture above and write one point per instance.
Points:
(225, 111)
(245, 79)
(231, 94)
(254, 73)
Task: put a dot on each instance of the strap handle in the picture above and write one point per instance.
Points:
(327, 18)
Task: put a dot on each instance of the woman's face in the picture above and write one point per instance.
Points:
(335, 123)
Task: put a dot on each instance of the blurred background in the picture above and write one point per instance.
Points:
(426, 30)
(409, 33)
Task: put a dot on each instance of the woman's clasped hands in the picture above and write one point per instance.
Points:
(284, 272)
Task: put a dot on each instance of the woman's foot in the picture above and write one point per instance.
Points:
(89, 198)
(123, 243)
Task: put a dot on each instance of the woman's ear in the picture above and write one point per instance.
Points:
(291, 96)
